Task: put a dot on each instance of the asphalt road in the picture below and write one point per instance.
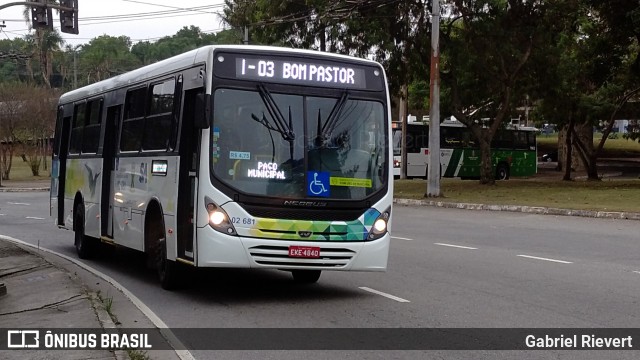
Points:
(448, 268)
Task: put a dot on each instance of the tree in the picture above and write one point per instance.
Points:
(187, 38)
(486, 46)
(621, 36)
(595, 66)
(14, 57)
(11, 107)
(27, 119)
(106, 56)
(46, 42)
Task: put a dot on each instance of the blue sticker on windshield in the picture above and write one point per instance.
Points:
(318, 183)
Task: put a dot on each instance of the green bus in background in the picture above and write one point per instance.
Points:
(513, 151)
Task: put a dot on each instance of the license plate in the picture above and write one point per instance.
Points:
(310, 252)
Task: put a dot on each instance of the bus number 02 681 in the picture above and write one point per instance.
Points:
(244, 221)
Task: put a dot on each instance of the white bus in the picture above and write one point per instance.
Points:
(231, 156)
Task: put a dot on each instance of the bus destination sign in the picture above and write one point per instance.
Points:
(299, 71)
(295, 72)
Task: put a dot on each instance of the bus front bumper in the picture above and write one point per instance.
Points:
(215, 249)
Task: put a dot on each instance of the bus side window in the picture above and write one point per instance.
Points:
(521, 141)
(503, 140)
(91, 133)
(133, 125)
(158, 125)
(79, 115)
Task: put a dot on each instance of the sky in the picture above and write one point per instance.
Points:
(139, 20)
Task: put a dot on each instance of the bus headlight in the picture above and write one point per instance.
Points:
(218, 219)
(380, 225)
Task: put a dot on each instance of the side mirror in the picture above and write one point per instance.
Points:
(202, 111)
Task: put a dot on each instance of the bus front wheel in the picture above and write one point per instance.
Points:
(167, 269)
(306, 276)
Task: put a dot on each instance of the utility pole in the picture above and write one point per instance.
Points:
(75, 65)
(434, 172)
(405, 131)
(75, 69)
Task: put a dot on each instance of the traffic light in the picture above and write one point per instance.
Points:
(69, 18)
(41, 16)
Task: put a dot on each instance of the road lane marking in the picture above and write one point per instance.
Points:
(545, 259)
(456, 246)
(33, 217)
(166, 333)
(401, 238)
(17, 203)
(389, 296)
(637, 272)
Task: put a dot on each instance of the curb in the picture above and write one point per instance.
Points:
(521, 208)
(2, 189)
(106, 321)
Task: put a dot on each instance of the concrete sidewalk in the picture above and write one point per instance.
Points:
(46, 291)
(41, 295)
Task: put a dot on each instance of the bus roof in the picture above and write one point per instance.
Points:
(185, 60)
(455, 123)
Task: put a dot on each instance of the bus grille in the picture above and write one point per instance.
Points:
(279, 256)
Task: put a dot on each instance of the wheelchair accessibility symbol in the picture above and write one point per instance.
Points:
(318, 183)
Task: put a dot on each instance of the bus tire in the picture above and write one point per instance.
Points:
(166, 269)
(85, 245)
(306, 276)
(502, 172)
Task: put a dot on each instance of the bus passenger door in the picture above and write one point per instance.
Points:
(189, 147)
(108, 159)
(59, 166)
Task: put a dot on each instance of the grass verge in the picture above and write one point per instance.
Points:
(618, 147)
(605, 195)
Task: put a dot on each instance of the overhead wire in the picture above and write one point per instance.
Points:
(167, 6)
(110, 19)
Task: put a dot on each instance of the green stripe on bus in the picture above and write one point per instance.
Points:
(453, 163)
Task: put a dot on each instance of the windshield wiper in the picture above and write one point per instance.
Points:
(325, 131)
(281, 126)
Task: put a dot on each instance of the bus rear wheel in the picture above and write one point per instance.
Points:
(85, 245)
(502, 172)
(306, 276)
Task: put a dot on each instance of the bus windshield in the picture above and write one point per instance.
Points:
(298, 146)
